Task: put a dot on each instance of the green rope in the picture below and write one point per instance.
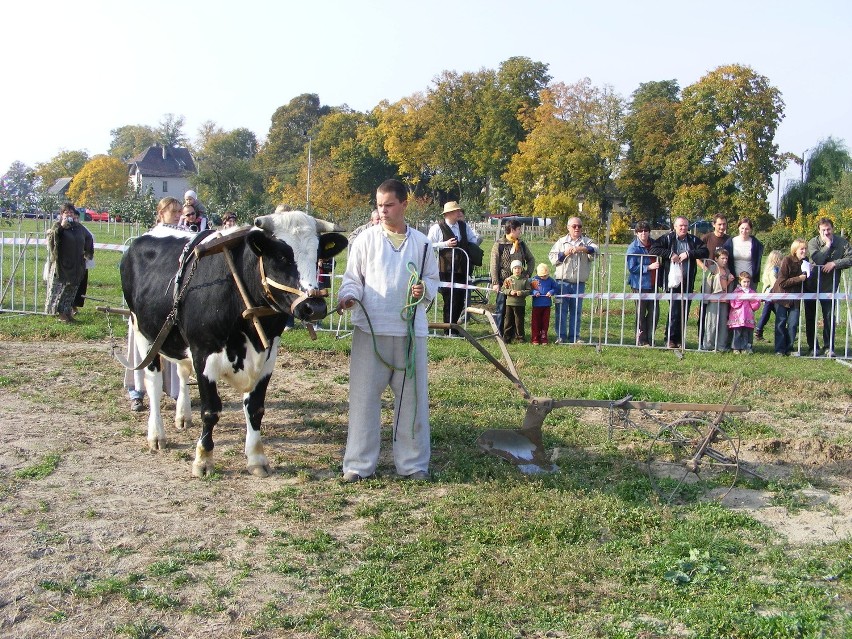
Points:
(407, 315)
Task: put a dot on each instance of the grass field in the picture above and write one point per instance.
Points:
(482, 551)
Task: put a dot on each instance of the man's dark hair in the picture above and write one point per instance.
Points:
(67, 206)
(824, 221)
(720, 216)
(511, 225)
(643, 225)
(396, 187)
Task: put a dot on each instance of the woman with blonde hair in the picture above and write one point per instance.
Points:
(168, 211)
(792, 274)
(770, 274)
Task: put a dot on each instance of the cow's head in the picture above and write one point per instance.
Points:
(291, 243)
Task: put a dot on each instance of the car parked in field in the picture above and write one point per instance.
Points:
(700, 227)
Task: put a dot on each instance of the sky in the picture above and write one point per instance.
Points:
(75, 71)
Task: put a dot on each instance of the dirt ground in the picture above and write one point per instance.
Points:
(108, 493)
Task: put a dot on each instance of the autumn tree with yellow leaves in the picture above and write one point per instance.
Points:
(101, 178)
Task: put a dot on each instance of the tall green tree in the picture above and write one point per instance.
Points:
(63, 164)
(228, 177)
(130, 140)
(453, 114)
(725, 134)
(170, 131)
(18, 188)
(507, 110)
(649, 130)
(284, 151)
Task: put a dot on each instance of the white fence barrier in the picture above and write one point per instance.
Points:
(608, 316)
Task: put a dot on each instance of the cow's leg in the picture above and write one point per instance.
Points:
(211, 408)
(253, 407)
(183, 410)
(154, 388)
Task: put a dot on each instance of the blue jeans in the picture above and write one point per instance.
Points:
(569, 311)
(786, 327)
(499, 311)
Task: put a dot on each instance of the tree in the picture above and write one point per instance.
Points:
(64, 164)
(402, 128)
(573, 148)
(452, 113)
(227, 174)
(332, 197)
(507, 113)
(821, 173)
(102, 177)
(725, 133)
(649, 130)
(283, 154)
(170, 132)
(17, 188)
(131, 140)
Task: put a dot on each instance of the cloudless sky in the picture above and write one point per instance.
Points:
(74, 71)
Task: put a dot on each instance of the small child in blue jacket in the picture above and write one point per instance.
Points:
(544, 288)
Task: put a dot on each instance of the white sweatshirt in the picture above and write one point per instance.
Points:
(377, 274)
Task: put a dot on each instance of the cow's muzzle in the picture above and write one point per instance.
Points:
(310, 309)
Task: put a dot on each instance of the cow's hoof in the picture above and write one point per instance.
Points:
(200, 470)
(157, 445)
(183, 424)
(260, 470)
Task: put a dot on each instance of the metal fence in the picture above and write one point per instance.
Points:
(608, 317)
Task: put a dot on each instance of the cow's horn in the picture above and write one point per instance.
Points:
(324, 226)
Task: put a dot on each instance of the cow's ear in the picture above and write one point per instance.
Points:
(330, 244)
(257, 241)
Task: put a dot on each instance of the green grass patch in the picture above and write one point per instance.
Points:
(44, 468)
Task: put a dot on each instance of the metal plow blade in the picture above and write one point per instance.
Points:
(523, 446)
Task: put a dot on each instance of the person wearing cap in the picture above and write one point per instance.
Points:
(516, 288)
(543, 289)
(450, 237)
(643, 269)
(190, 198)
(572, 255)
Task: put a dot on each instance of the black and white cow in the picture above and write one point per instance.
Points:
(211, 334)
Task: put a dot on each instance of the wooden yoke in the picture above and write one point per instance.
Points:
(222, 244)
(249, 312)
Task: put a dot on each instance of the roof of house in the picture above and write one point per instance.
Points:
(60, 186)
(158, 161)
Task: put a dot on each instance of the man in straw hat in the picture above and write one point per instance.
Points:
(450, 237)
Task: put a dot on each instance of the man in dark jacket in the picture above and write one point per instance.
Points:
(679, 249)
(829, 254)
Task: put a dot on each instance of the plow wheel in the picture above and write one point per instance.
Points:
(690, 456)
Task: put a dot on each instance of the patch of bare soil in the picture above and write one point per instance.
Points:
(111, 509)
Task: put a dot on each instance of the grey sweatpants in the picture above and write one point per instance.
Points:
(368, 378)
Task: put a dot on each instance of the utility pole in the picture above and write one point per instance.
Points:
(804, 186)
(308, 189)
